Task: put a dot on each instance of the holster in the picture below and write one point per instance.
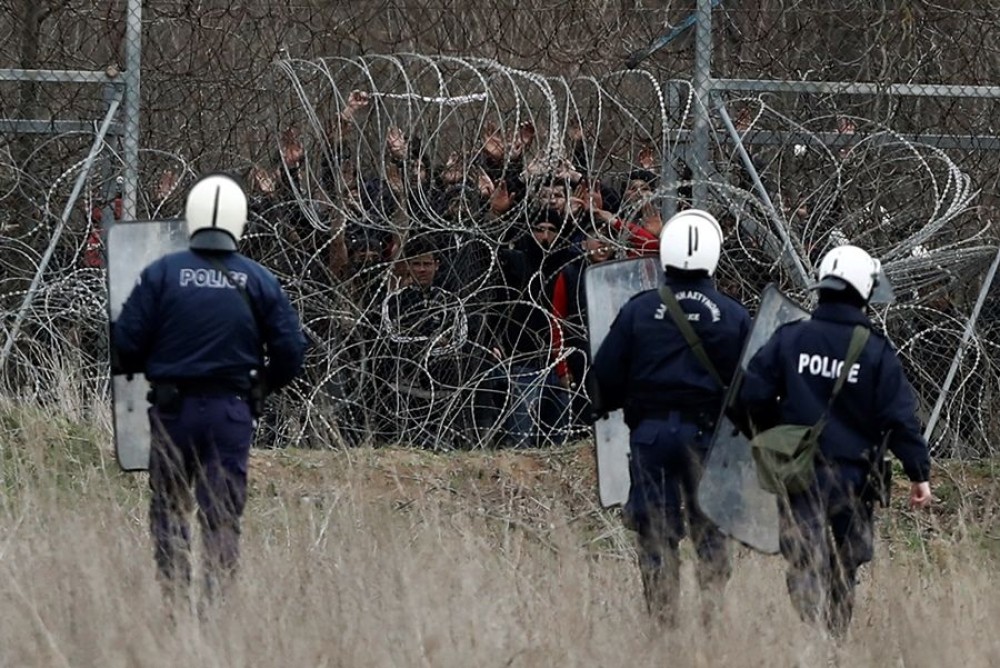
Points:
(706, 420)
(165, 396)
(258, 393)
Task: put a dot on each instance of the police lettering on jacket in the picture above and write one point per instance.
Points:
(211, 278)
(185, 319)
(826, 367)
(645, 364)
(791, 378)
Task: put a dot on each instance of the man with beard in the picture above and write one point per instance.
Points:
(526, 329)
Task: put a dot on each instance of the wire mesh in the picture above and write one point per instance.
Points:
(464, 156)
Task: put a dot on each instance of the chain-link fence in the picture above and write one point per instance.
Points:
(432, 215)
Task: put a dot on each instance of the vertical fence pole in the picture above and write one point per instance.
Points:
(130, 143)
(702, 90)
(668, 206)
(960, 353)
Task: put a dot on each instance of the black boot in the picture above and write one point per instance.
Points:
(840, 606)
(661, 586)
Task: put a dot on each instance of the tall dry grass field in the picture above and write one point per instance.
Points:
(400, 558)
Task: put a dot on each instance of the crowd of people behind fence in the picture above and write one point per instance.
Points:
(445, 298)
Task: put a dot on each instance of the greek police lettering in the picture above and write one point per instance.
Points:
(701, 299)
(211, 278)
(827, 367)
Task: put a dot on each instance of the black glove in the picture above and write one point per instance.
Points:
(593, 414)
(116, 364)
(740, 420)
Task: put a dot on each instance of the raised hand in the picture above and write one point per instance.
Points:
(493, 145)
(292, 149)
(575, 132)
(647, 157)
(501, 200)
(262, 180)
(651, 219)
(522, 139)
(590, 195)
(452, 172)
(358, 99)
(485, 183)
(166, 185)
(566, 171)
(396, 143)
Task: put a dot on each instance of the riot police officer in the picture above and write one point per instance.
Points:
(790, 381)
(198, 324)
(672, 394)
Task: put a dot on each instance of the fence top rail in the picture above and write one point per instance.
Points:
(857, 88)
(838, 139)
(37, 127)
(109, 76)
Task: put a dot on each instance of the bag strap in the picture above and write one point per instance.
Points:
(693, 341)
(859, 337)
(244, 293)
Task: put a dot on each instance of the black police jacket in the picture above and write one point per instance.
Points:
(646, 366)
(185, 319)
(791, 378)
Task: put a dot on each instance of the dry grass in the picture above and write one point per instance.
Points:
(400, 558)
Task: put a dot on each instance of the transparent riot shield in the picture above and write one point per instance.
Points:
(130, 247)
(728, 492)
(608, 286)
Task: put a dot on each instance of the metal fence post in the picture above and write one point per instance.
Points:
(702, 89)
(960, 353)
(130, 143)
(668, 206)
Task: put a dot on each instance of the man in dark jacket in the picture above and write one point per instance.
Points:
(528, 336)
(790, 381)
(198, 324)
(425, 328)
(671, 400)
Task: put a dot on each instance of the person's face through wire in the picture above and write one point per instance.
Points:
(423, 269)
(545, 234)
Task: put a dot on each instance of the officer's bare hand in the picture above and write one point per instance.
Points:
(920, 494)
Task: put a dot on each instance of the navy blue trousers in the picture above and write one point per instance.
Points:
(826, 535)
(199, 453)
(666, 459)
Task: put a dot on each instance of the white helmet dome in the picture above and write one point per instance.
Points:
(691, 240)
(849, 265)
(216, 213)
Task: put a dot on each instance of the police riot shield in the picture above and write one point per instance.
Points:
(130, 247)
(728, 492)
(608, 286)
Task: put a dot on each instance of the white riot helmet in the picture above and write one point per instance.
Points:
(691, 240)
(849, 266)
(216, 213)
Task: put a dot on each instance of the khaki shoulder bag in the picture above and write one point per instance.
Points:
(785, 454)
